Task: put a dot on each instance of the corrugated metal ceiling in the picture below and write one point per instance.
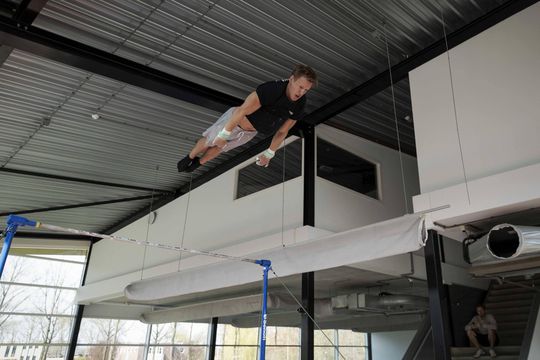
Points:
(227, 45)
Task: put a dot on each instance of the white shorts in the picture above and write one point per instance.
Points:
(238, 136)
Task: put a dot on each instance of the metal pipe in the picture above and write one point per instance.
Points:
(13, 223)
(266, 264)
(507, 241)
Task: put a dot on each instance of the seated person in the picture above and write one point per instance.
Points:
(482, 331)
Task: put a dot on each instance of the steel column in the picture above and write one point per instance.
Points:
(308, 279)
(212, 339)
(78, 315)
(438, 298)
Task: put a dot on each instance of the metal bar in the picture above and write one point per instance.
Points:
(8, 238)
(21, 221)
(147, 341)
(401, 70)
(78, 315)
(69, 52)
(370, 352)
(308, 279)
(309, 176)
(65, 207)
(5, 51)
(28, 10)
(79, 180)
(307, 327)
(41, 235)
(437, 298)
(266, 264)
(212, 340)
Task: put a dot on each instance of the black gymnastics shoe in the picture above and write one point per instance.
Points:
(183, 164)
(195, 163)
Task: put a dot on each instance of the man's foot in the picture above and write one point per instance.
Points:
(195, 163)
(492, 353)
(479, 353)
(183, 164)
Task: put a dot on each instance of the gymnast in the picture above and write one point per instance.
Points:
(273, 108)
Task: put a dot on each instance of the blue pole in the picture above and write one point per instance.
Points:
(13, 222)
(266, 264)
(10, 231)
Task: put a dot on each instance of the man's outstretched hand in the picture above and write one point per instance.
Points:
(262, 161)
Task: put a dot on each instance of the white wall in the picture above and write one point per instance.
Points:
(338, 208)
(215, 220)
(390, 345)
(495, 77)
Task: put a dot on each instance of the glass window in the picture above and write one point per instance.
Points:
(179, 333)
(113, 352)
(346, 169)
(254, 178)
(111, 331)
(37, 301)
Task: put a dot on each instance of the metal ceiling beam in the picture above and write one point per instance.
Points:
(401, 70)
(65, 207)
(69, 52)
(5, 51)
(28, 10)
(79, 180)
(53, 236)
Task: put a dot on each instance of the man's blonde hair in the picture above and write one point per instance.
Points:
(305, 71)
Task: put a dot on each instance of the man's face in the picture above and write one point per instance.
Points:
(480, 311)
(298, 87)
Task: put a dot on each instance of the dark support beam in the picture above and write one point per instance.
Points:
(308, 279)
(438, 298)
(69, 52)
(65, 207)
(54, 236)
(401, 70)
(5, 51)
(79, 180)
(28, 11)
(75, 328)
(369, 352)
(309, 176)
(212, 341)
(307, 343)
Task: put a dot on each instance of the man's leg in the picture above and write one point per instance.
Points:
(492, 337)
(472, 338)
(211, 153)
(188, 161)
(200, 147)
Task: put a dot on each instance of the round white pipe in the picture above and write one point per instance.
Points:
(505, 241)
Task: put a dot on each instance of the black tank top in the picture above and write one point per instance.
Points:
(276, 107)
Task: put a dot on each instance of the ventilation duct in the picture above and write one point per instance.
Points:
(505, 241)
(324, 308)
(384, 302)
